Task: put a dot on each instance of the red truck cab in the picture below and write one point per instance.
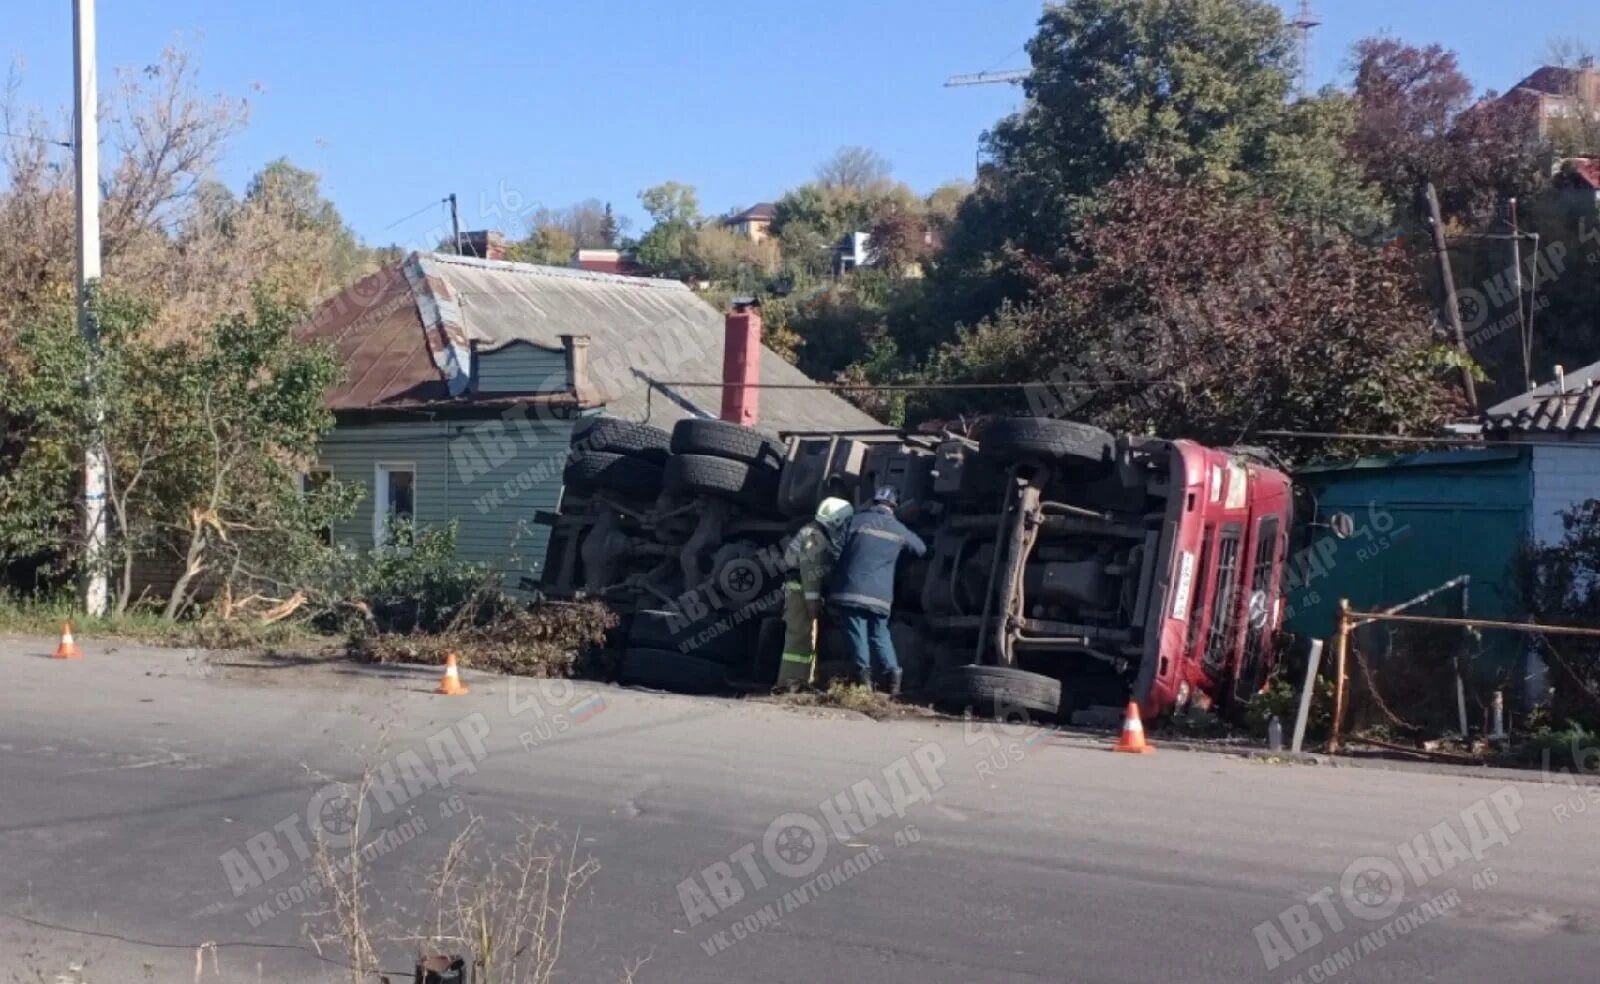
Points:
(1227, 536)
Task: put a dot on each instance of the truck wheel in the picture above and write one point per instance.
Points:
(720, 439)
(623, 437)
(665, 670)
(605, 472)
(700, 474)
(652, 629)
(1043, 438)
(997, 691)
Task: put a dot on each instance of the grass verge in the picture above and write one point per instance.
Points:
(45, 618)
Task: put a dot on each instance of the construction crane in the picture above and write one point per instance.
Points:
(1305, 22)
(987, 78)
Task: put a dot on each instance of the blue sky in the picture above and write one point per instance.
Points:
(514, 103)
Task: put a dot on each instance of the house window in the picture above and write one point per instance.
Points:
(395, 499)
(312, 481)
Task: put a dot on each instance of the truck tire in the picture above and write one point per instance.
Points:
(654, 629)
(665, 670)
(700, 474)
(615, 436)
(601, 471)
(720, 439)
(997, 691)
(1047, 439)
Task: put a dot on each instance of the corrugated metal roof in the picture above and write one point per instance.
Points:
(399, 331)
(1572, 408)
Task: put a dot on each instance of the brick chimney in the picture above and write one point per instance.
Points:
(741, 363)
(485, 244)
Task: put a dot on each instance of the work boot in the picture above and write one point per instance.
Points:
(864, 678)
(891, 683)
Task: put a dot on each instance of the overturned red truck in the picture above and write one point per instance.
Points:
(1066, 568)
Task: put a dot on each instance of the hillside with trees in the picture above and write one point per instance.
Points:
(1168, 231)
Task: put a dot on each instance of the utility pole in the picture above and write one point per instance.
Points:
(1522, 317)
(87, 159)
(455, 226)
(1452, 305)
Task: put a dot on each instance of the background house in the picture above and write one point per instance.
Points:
(1553, 96)
(464, 378)
(1560, 423)
(754, 223)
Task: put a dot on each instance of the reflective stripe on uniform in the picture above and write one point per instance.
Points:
(797, 658)
(813, 595)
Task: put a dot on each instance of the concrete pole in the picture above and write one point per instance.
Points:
(1452, 305)
(1306, 690)
(87, 157)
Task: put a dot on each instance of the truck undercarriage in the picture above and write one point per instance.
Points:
(1065, 567)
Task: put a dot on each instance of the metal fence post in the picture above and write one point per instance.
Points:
(1341, 653)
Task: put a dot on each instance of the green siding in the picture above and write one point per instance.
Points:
(522, 368)
(1433, 517)
(492, 477)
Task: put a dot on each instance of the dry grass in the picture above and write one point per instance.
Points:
(505, 911)
(554, 639)
(842, 696)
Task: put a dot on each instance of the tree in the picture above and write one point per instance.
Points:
(1306, 169)
(671, 202)
(202, 437)
(163, 141)
(899, 240)
(1189, 313)
(1191, 85)
(243, 409)
(669, 245)
(610, 229)
(1418, 119)
(588, 225)
(854, 168)
(720, 255)
(549, 245)
(1199, 88)
(945, 202)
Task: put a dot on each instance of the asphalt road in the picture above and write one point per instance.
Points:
(152, 801)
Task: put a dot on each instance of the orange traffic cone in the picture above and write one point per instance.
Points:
(1132, 740)
(67, 649)
(451, 684)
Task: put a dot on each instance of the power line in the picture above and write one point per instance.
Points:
(433, 204)
(29, 136)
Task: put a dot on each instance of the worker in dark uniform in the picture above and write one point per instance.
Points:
(809, 557)
(861, 587)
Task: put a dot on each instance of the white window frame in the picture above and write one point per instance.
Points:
(380, 497)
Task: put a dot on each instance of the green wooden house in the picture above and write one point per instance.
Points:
(464, 378)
